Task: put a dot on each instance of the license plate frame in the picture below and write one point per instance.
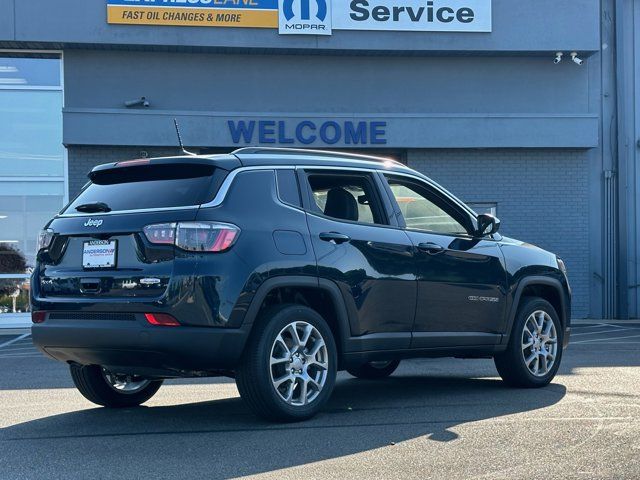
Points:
(94, 259)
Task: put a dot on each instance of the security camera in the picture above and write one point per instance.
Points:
(558, 58)
(577, 60)
(141, 102)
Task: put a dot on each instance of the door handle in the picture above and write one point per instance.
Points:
(334, 237)
(431, 248)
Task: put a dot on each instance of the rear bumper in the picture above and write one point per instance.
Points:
(136, 347)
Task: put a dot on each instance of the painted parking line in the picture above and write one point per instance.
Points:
(604, 325)
(14, 340)
(600, 332)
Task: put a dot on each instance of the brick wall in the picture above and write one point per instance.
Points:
(83, 159)
(541, 195)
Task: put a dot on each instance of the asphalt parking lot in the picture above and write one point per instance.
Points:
(432, 419)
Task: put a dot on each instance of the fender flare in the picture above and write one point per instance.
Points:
(329, 287)
(529, 281)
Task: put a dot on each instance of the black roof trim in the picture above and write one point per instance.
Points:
(317, 153)
(225, 162)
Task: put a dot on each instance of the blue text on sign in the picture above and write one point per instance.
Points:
(308, 132)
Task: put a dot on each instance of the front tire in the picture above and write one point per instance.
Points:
(534, 352)
(110, 390)
(289, 366)
(374, 370)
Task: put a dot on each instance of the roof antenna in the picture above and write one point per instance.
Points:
(186, 152)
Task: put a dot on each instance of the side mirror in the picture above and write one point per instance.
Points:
(487, 225)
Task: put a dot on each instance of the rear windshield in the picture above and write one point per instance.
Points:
(151, 186)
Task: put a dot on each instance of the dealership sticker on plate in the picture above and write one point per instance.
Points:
(99, 254)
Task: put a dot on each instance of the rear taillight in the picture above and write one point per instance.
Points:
(38, 317)
(194, 236)
(44, 239)
(162, 319)
(161, 233)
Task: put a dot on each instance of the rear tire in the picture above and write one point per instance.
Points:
(374, 370)
(92, 382)
(282, 377)
(534, 352)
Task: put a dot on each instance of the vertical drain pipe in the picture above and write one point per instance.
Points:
(609, 153)
(610, 241)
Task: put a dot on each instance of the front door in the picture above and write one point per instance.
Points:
(371, 262)
(461, 278)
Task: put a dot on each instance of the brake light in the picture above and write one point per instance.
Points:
(194, 236)
(38, 316)
(162, 319)
(138, 161)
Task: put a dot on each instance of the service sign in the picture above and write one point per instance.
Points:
(413, 15)
(309, 17)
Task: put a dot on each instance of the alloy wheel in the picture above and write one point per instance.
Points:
(539, 343)
(127, 384)
(299, 363)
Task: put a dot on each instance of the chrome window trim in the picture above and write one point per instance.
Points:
(226, 185)
(228, 181)
(124, 212)
(413, 174)
(217, 200)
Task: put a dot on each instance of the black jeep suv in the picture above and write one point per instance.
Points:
(280, 267)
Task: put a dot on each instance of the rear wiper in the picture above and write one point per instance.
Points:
(93, 207)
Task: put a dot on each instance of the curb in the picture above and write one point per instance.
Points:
(587, 321)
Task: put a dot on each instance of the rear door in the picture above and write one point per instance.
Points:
(461, 278)
(101, 249)
(371, 262)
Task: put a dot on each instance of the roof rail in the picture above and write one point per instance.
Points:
(320, 153)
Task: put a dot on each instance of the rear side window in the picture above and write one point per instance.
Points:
(288, 187)
(350, 197)
(151, 186)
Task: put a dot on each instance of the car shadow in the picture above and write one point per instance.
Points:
(222, 439)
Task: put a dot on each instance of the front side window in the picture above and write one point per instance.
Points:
(423, 210)
(346, 197)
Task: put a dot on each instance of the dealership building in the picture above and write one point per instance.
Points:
(529, 110)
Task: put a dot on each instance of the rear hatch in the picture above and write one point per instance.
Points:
(99, 248)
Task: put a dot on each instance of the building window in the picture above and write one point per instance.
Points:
(32, 164)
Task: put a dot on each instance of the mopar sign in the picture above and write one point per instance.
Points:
(305, 16)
